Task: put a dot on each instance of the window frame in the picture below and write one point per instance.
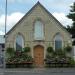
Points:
(58, 40)
(39, 38)
(22, 41)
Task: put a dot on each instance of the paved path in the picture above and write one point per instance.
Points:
(50, 71)
(39, 73)
(1, 71)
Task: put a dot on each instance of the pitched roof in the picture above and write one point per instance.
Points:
(38, 3)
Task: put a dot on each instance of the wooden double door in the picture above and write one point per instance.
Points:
(39, 56)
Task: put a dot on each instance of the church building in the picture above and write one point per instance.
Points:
(38, 29)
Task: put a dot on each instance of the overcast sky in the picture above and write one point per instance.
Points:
(18, 8)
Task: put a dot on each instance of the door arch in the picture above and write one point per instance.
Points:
(39, 56)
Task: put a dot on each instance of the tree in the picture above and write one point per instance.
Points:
(68, 28)
(72, 16)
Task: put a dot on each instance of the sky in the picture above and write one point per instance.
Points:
(16, 9)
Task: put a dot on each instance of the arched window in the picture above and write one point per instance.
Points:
(38, 31)
(19, 42)
(58, 41)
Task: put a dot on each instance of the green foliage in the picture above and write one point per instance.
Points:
(71, 15)
(68, 49)
(50, 50)
(60, 53)
(27, 49)
(10, 51)
(59, 57)
(55, 53)
(48, 56)
(29, 58)
(19, 56)
(72, 62)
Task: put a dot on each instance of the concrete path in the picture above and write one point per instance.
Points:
(38, 71)
(1, 71)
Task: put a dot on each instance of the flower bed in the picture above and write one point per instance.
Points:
(19, 65)
(56, 62)
(59, 58)
(19, 59)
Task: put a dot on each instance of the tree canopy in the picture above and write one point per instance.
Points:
(71, 15)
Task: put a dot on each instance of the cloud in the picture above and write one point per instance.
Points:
(62, 19)
(20, 1)
(12, 19)
(11, 1)
(2, 33)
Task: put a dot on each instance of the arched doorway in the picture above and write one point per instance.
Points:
(39, 56)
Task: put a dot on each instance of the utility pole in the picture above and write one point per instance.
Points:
(5, 34)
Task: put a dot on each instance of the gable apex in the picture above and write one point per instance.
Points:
(38, 4)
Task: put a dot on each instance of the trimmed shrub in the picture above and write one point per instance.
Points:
(27, 49)
(10, 51)
(50, 50)
(68, 49)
